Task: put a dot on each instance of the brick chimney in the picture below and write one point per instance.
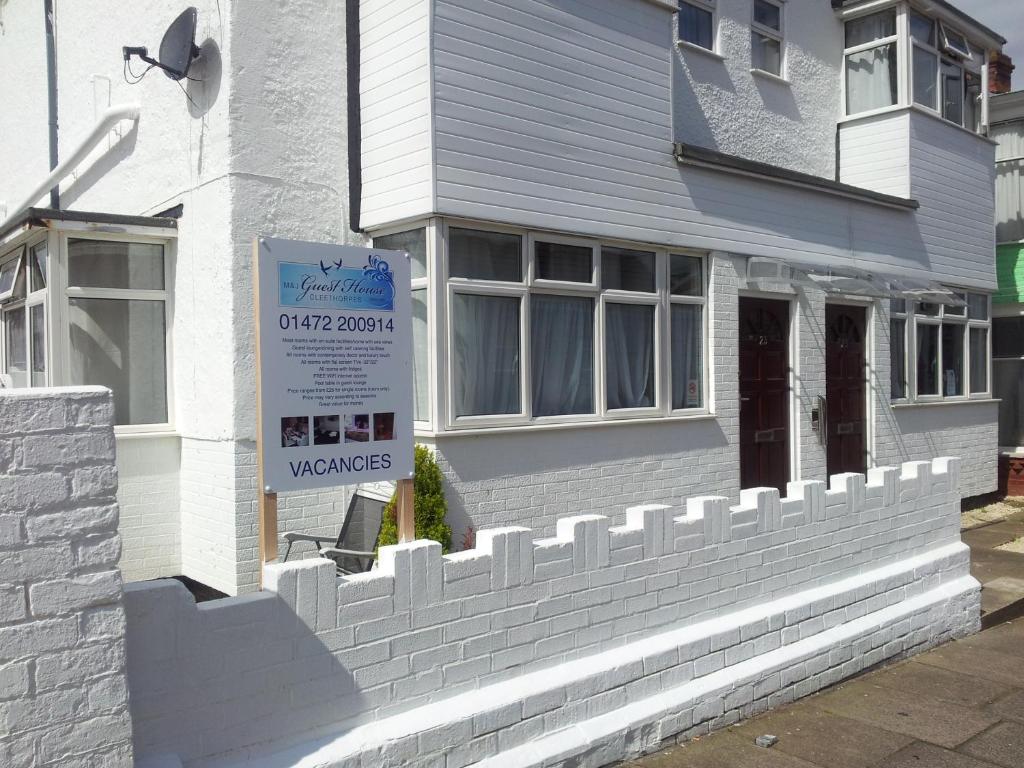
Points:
(1000, 70)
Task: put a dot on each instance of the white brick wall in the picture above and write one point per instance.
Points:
(696, 602)
(147, 494)
(63, 692)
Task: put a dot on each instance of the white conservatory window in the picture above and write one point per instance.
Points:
(940, 352)
(871, 62)
(766, 37)
(946, 75)
(545, 328)
(99, 315)
(697, 23)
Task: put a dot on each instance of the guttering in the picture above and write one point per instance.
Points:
(51, 95)
(353, 116)
(689, 154)
(108, 119)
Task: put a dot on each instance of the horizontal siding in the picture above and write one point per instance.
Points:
(952, 174)
(875, 154)
(394, 89)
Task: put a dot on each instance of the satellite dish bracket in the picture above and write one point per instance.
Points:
(143, 53)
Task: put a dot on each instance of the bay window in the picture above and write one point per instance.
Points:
(545, 328)
(939, 351)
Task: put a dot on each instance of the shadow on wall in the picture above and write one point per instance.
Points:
(608, 461)
(691, 73)
(187, 661)
(104, 164)
(204, 79)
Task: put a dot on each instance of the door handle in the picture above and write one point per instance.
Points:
(822, 420)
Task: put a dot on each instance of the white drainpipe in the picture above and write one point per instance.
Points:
(110, 117)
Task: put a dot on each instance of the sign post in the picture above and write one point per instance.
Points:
(333, 373)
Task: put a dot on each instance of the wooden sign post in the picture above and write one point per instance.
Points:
(406, 511)
(267, 532)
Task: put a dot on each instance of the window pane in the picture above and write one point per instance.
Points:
(7, 274)
(110, 264)
(37, 261)
(868, 28)
(767, 14)
(956, 311)
(871, 79)
(1007, 384)
(924, 308)
(977, 306)
(952, 92)
(37, 321)
(765, 53)
(120, 344)
(926, 73)
(626, 270)
(414, 242)
(898, 306)
(922, 29)
(927, 359)
(979, 360)
(558, 261)
(952, 360)
(420, 349)
(972, 101)
(695, 26)
(17, 352)
(629, 355)
(898, 359)
(486, 354)
(562, 350)
(1008, 337)
(686, 278)
(687, 357)
(485, 255)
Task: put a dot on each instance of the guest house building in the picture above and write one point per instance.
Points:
(661, 248)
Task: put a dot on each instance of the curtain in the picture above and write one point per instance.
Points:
(562, 354)
(871, 79)
(629, 353)
(486, 354)
(686, 356)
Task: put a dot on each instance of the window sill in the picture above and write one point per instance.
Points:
(547, 427)
(771, 76)
(683, 45)
(144, 432)
(935, 403)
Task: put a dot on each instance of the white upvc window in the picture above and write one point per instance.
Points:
(767, 41)
(92, 309)
(946, 71)
(940, 352)
(870, 57)
(545, 328)
(697, 23)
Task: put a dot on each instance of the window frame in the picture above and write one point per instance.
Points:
(660, 300)
(709, 6)
(893, 39)
(913, 320)
(779, 35)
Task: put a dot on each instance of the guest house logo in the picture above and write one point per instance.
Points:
(333, 285)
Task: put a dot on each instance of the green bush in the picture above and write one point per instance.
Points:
(430, 507)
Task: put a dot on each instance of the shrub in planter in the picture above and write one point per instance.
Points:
(430, 507)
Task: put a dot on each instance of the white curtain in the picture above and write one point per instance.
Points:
(562, 354)
(486, 354)
(871, 79)
(686, 356)
(629, 352)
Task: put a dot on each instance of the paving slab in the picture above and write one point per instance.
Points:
(922, 755)
(1001, 745)
(978, 661)
(721, 750)
(986, 538)
(823, 738)
(1010, 707)
(938, 683)
(923, 717)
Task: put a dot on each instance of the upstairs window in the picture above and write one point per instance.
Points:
(946, 72)
(766, 40)
(870, 56)
(697, 23)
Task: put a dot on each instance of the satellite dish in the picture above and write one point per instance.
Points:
(177, 49)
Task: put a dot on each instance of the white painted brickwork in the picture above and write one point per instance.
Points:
(147, 495)
(579, 649)
(63, 692)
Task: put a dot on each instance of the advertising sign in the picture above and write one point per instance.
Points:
(335, 364)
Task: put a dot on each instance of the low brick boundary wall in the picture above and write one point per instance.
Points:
(586, 647)
(63, 691)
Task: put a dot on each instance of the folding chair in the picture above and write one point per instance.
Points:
(353, 551)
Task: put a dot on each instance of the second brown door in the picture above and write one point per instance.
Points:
(845, 388)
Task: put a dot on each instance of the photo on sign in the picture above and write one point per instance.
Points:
(326, 430)
(294, 431)
(384, 426)
(357, 428)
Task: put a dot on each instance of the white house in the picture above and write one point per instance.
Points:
(661, 248)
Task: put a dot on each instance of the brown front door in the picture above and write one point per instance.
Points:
(764, 393)
(845, 388)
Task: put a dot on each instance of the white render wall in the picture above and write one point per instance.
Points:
(63, 691)
(680, 620)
